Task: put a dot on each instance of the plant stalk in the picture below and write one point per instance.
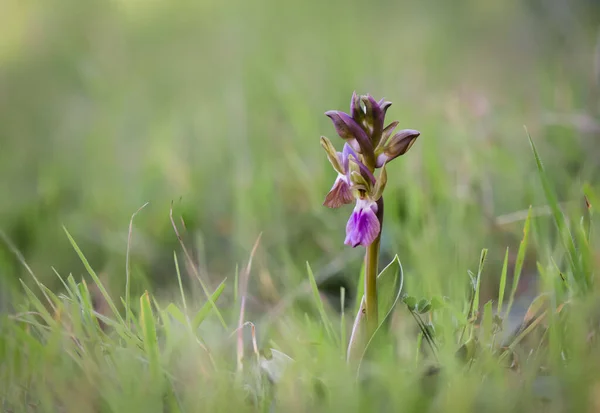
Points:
(371, 271)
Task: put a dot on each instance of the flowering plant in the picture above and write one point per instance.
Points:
(368, 146)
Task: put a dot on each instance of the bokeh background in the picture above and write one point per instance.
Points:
(217, 107)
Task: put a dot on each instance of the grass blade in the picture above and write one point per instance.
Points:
(177, 314)
(502, 287)
(207, 308)
(243, 291)
(151, 341)
(92, 273)
(37, 304)
(482, 259)
(195, 270)
(179, 280)
(128, 265)
(559, 219)
(519, 263)
(319, 303)
(61, 280)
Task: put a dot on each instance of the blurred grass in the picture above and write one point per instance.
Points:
(218, 107)
(107, 105)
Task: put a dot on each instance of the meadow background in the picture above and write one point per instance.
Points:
(217, 108)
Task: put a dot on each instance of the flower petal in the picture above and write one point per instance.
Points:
(399, 144)
(387, 132)
(380, 185)
(375, 117)
(347, 152)
(356, 110)
(340, 193)
(348, 129)
(363, 226)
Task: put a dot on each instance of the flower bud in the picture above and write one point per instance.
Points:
(380, 184)
(375, 117)
(332, 155)
(359, 181)
(356, 110)
(348, 129)
(398, 145)
(387, 132)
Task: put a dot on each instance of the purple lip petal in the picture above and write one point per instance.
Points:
(340, 193)
(363, 226)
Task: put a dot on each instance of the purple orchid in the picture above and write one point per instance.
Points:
(368, 145)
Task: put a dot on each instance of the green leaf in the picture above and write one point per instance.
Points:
(207, 307)
(360, 288)
(389, 285)
(411, 302)
(423, 306)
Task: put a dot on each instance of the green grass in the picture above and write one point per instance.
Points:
(211, 113)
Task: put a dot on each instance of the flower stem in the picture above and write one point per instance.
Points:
(371, 271)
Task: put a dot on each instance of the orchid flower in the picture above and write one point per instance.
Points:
(368, 146)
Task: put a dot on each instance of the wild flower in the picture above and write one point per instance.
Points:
(368, 146)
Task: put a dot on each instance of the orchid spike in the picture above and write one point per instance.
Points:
(368, 145)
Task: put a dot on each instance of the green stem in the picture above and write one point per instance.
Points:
(371, 271)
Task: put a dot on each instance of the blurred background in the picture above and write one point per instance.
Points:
(217, 108)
